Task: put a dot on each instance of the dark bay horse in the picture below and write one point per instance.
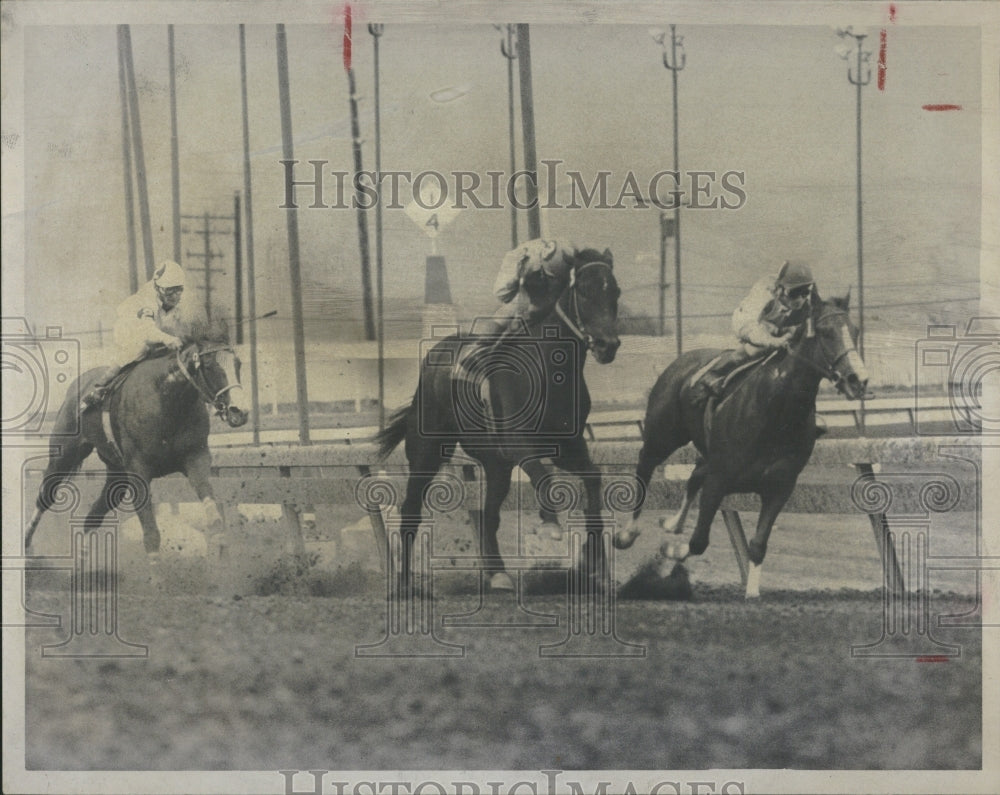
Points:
(535, 405)
(762, 432)
(159, 423)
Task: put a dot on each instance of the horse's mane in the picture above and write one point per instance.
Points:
(593, 255)
(202, 330)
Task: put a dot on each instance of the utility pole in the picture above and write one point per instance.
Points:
(251, 273)
(675, 62)
(175, 179)
(208, 253)
(376, 30)
(238, 267)
(509, 50)
(366, 277)
(133, 272)
(528, 130)
(140, 159)
(292, 224)
(855, 79)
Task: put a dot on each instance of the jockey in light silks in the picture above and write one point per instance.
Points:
(765, 320)
(531, 279)
(143, 320)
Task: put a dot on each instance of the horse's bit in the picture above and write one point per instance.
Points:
(216, 399)
(829, 371)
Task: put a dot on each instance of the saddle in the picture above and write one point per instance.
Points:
(111, 387)
(730, 383)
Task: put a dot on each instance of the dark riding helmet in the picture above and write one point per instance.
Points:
(794, 275)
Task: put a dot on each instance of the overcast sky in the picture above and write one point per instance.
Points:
(772, 102)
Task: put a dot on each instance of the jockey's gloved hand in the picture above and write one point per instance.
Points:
(785, 340)
(174, 343)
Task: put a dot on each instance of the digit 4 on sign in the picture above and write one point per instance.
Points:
(429, 212)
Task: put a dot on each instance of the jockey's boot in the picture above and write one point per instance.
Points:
(712, 382)
(94, 397)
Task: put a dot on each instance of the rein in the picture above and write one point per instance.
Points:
(202, 390)
(828, 371)
(575, 324)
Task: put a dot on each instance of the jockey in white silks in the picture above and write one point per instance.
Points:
(531, 279)
(765, 320)
(143, 320)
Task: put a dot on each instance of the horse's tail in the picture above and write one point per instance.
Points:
(392, 434)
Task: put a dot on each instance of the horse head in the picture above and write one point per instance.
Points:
(589, 306)
(833, 350)
(212, 366)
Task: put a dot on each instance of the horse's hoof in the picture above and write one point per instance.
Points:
(673, 550)
(553, 529)
(669, 524)
(501, 581)
(625, 538)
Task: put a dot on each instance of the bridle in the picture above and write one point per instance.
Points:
(199, 383)
(828, 369)
(573, 321)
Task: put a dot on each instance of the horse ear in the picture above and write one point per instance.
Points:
(847, 298)
(610, 258)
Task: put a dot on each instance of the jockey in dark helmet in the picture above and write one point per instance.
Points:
(531, 279)
(765, 320)
(144, 319)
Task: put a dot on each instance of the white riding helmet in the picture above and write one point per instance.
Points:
(168, 274)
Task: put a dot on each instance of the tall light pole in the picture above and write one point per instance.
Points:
(674, 60)
(528, 129)
(863, 57)
(376, 30)
(509, 49)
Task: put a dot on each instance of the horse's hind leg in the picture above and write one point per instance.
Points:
(64, 460)
(116, 486)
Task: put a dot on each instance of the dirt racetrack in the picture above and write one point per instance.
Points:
(268, 677)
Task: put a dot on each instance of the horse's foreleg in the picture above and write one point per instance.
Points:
(649, 459)
(675, 523)
(497, 487)
(198, 469)
(771, 504)
(712, 493)
(537, 470)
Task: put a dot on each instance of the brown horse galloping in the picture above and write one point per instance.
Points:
(762, 432)
(159, 424)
